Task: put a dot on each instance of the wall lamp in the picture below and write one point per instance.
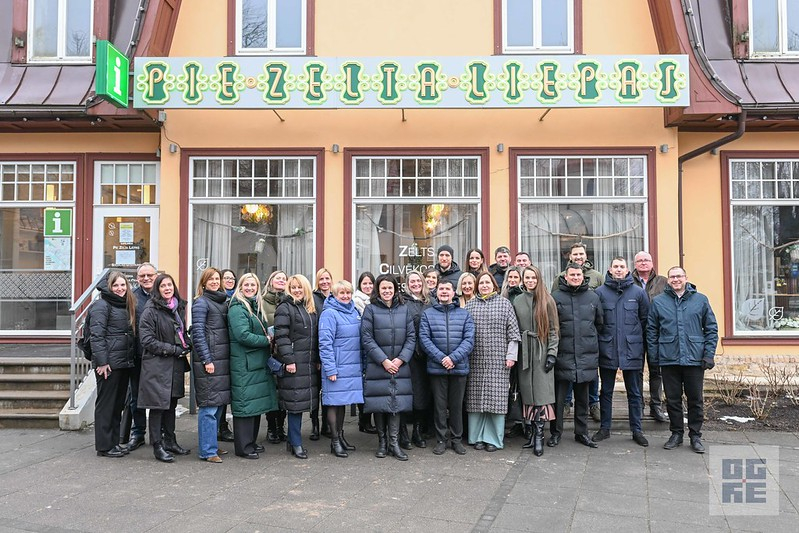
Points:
(335, 149)
(500, 148)
(173, 148)
(664, 148)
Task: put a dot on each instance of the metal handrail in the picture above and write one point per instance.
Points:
(78, 365)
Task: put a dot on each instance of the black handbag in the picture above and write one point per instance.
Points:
(514, 402)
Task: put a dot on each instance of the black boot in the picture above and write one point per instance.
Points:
(393, 438)
(337, 449)
(171, 445)
(538, 438)
(404, 439)
(346, 445)
(380, 422)
(161, 454)
(529, 438)
(225, 435)
(365, 424)
(325, 425)
(281, 426)
(314, 427)
(416, 436)
(271, 428)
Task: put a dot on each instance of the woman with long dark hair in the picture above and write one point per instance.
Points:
(296, 346)
(417, 299)
(252, 384)
(362, 298)
(112, 321)
(388, 340)
(476, 262)
(211, 360)
(538, 321)
(165, 344)
(229, 280)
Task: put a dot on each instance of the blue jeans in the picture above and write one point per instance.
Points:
(207, 424)
(593, 393)
(295, 425)
(635, 400)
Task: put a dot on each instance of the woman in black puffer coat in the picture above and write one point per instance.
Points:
(162, 333)
(296, 346)
(211, 360)
(388, 340)
(417, 299)
(112, 319)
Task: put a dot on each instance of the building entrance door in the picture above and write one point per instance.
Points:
(124, 237)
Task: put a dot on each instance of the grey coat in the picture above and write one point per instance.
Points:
(536, 386)
(489, 379)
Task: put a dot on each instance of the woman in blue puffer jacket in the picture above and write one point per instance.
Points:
(340, 353)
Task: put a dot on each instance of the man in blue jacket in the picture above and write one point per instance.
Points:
(621, 346)
(682, 335)
(446, 334)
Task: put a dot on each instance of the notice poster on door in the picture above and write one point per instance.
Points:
(57, 253)
(126, 232)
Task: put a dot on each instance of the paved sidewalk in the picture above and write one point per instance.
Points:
(52, 481)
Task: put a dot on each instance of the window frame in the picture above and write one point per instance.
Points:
(575, 31)
(782, 33)
(60, 57)
(732, 335)
(234, 31)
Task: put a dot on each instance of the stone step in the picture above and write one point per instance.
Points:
(10, 382)
(38, 399)
(29, 418)
(34, 365)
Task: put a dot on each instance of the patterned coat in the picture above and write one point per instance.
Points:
(489, 379)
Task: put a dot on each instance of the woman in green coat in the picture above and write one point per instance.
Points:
(253, 390)
(538, 322)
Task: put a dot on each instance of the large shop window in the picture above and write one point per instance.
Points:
(271, 26)
(36, 246)
(601, 201)
(406, 207)
(774, 27)
(60, 30)
(764, 229)
(254, 214)
(530, 26)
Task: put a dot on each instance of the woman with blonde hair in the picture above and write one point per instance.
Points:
(467, 284)
(512, 286)
(210, 360)
(296, 346)
(272, 294)
(340, 352)
(417, 299)
(252, 384)
(112, 321)
(324, 280)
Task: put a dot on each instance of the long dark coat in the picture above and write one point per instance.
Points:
(422, 396)
(536, 386)
(580, 318)
(211, 344)
(297, 342)
(252, 385)
(162, 367)
(489, 379)
(387, 333)
(110, 331)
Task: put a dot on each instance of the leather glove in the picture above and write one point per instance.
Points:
(707, 363)
(549, 364)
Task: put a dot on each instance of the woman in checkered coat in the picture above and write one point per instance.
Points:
(496, 344)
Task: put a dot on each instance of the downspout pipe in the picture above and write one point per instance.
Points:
(691, 155)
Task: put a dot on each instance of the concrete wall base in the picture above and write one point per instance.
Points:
(82, 416)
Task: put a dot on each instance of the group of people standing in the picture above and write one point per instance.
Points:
(442, 353)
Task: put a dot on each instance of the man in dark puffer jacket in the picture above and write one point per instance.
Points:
(580, 317)
(446, 334)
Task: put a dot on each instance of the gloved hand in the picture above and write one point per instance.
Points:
(549, 364)
(707, 363)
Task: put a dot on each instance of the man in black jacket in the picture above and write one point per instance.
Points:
(134, 421)
(580, 318)
(500, 265)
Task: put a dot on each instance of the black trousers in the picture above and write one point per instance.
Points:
(163, 421)
(580, 407)
(448, 392)
(245, 433)
(134, 420)
(108, 408)
(688, 379)
(655, 383)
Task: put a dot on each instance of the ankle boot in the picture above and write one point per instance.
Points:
(172, 446)
(365, 424)
(416, 436)
(380, 423)
(403, 437)
(161, 454)
(393, 438)
(225, 435)
(530, 439)
(336, 448)
(346, 445)
(538, 438)
(314, 428)
(271, 429)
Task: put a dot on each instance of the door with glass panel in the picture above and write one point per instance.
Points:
(126, 213)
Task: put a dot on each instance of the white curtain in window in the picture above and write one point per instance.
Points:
(458, 228)
(295, 242)
(367, 237)
(539, 226)
(212, 236)
(753, 269)
(620, 228)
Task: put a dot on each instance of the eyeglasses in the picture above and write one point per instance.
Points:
(228, 278)
(146, 275)
(643, 260)
(677, 276)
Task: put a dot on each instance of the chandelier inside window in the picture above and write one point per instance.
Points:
(256, 213)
